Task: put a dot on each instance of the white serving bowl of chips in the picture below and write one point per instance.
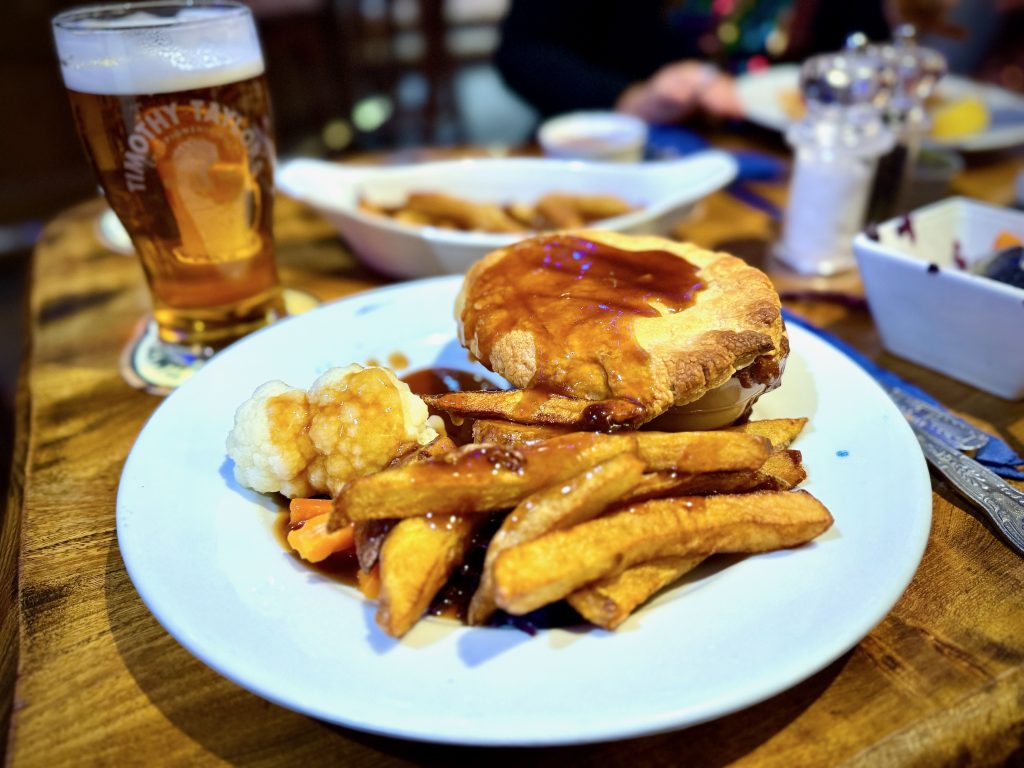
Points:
(661, 193)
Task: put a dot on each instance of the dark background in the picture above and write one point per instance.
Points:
(345, 76)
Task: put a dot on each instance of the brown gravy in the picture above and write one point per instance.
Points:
(566, 292)
(440, 381)
(341, 566)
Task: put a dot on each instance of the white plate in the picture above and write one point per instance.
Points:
(761, 94)
(661, 191)
(202, 555)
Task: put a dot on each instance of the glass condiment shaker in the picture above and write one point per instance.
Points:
(915, 72)
(837, 146)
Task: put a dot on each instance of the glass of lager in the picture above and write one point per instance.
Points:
(171, 104)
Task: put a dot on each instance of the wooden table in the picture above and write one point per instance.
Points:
(88, 676)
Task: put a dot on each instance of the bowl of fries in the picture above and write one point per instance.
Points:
(438, 218)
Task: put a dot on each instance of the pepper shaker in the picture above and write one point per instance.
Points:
(915, 72)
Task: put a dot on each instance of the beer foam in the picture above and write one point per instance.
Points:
(143, 53)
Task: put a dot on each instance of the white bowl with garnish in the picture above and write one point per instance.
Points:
(930, 306)
(661, 193)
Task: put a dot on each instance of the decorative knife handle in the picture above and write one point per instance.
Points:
(1003, 503)
(950, 429)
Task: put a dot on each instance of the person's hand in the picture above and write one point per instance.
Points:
(678, 90)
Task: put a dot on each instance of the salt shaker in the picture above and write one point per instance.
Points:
(837, 146)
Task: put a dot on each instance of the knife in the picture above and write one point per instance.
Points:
(1003, 503)
(950, 429)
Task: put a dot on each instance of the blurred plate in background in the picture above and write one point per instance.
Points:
(771, 99)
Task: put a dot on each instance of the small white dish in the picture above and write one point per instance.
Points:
(931, 310)
(662, 192)
(601, 136)
(734, 633)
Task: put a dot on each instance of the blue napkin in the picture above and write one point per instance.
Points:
(665, 141)
(675, 141)
(995, 454)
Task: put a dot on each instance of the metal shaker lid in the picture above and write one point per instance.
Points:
(916, 69)
(849, 78)
(845, 93)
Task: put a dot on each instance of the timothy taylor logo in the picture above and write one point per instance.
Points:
(158, 130)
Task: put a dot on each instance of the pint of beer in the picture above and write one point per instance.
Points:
(172, 107)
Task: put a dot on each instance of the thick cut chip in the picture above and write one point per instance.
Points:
(485, 478)
(692, 451)
(595, 207)
(541, 571)
(781, 472)
(370, 534)
(418, 556)
(528, 406)
(781, 432)
(554, 508)
(697, 451)
(511, 434)
(561, 211)
(466, 214)
(608, 602)
(474, 478)
(568, 211)
(439, 446)
(658, 485)
(702, 451)
(526, 214)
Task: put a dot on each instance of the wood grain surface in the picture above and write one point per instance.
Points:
(89, 677)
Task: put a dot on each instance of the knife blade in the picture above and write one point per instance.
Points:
(1003, 503)
(950, 429)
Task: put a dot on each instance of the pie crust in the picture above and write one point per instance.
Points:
(734, 320)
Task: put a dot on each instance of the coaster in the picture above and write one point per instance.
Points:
(156, 367)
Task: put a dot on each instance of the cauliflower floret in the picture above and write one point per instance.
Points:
(362, 418)
(352, 423)
(269, 442)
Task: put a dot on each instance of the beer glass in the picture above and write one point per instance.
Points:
(171, 103)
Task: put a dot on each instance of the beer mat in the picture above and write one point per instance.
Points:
(996, 454)
(149, 364)
(110, 233)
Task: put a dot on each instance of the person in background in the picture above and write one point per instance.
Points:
(979, 38)
(666, 60)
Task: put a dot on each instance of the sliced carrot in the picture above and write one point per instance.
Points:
(369, 582)
(314, 542)
(303, 509)
(1005, 240)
